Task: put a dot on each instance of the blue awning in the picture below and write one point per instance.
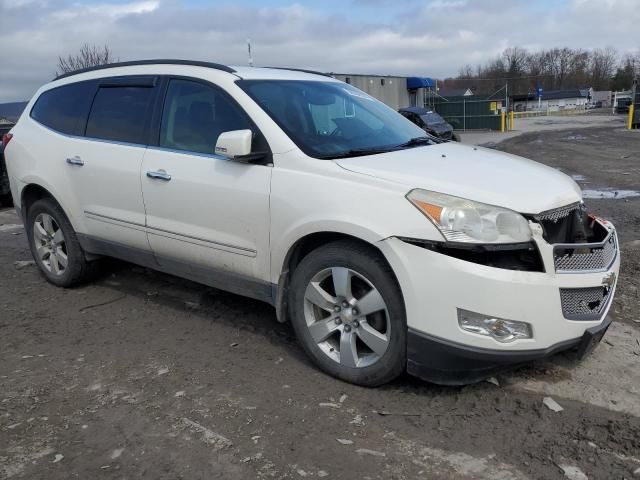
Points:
(419, 82)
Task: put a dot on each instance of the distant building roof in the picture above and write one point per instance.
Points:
(12, 111)
(419, 82)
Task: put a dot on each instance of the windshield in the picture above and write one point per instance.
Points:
(331, 119)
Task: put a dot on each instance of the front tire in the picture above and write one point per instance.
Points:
(348, 313)
(54, 244)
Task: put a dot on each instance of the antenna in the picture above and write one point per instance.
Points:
(249, 51)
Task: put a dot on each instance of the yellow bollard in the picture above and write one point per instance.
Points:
(502, 122)
(511, 118)
(630, 120)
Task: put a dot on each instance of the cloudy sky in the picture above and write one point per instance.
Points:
(407, 37)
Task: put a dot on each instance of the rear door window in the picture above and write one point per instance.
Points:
(121, 113)
(65, 109)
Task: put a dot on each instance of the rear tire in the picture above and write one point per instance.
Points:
(358, 333)
(54, 244)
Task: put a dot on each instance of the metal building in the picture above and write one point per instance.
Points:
(396, 92)
(390, 90)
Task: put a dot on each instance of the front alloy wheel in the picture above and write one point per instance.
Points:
(348, 313)
(347, 317)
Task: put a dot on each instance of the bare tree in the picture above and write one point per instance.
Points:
(515, 60)
(603, 63)
(466, 72)
(88, 56)
(555, 68)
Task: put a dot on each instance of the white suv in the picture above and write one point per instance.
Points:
(386, 248)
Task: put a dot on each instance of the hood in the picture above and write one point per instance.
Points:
(475, 173)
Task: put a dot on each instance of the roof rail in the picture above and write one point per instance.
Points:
(303, 70)
(194, 63)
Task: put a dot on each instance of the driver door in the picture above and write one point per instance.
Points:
(207, 216)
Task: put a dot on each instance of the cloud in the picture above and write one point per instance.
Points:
(432, 38)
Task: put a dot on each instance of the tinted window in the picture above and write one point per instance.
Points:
(331, 119)
(120, 114)
(65, 109)
(195, 115)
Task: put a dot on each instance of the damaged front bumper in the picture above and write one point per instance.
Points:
(449, 363)
(565, 304)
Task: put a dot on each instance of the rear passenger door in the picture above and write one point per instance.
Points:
(207, 216)
(105, 165)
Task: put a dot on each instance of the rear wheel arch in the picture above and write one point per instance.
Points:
(32, 193)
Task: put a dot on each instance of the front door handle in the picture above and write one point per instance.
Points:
(159, 175)
(77, 161)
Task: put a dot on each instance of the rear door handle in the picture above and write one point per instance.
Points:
(159, 175)
(77, 161)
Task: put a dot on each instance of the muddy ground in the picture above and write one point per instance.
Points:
(143, 375)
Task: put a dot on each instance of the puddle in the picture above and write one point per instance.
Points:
(609, 193)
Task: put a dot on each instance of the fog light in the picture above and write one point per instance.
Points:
(497, 328)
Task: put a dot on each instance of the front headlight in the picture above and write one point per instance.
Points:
(462, 220)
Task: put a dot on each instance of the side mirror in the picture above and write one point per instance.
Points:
(233, 144)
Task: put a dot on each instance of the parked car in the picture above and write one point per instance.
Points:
(384, 248)
(623, 105)
(5, 190)
(431, 122)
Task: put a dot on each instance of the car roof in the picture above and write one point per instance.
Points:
(249, 73)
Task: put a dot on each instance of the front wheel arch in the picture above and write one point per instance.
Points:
(300, 249)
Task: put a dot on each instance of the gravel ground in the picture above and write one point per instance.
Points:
(143, 375)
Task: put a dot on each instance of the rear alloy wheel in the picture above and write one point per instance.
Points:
(50, 244)
(54, 244)
(348, 313)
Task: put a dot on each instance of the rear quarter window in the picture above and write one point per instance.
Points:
(65, 109)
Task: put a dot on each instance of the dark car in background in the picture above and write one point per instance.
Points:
(430, 122)
(9, 114)
(5, 191)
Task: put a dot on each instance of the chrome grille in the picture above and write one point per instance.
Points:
(557, 213)
(584, 303)
(598, 257)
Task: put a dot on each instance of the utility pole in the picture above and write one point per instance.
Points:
(249, 51)
(506, 93)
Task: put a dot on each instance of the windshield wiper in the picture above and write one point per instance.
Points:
(359, 152)
(416, 141)
(356, 152)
